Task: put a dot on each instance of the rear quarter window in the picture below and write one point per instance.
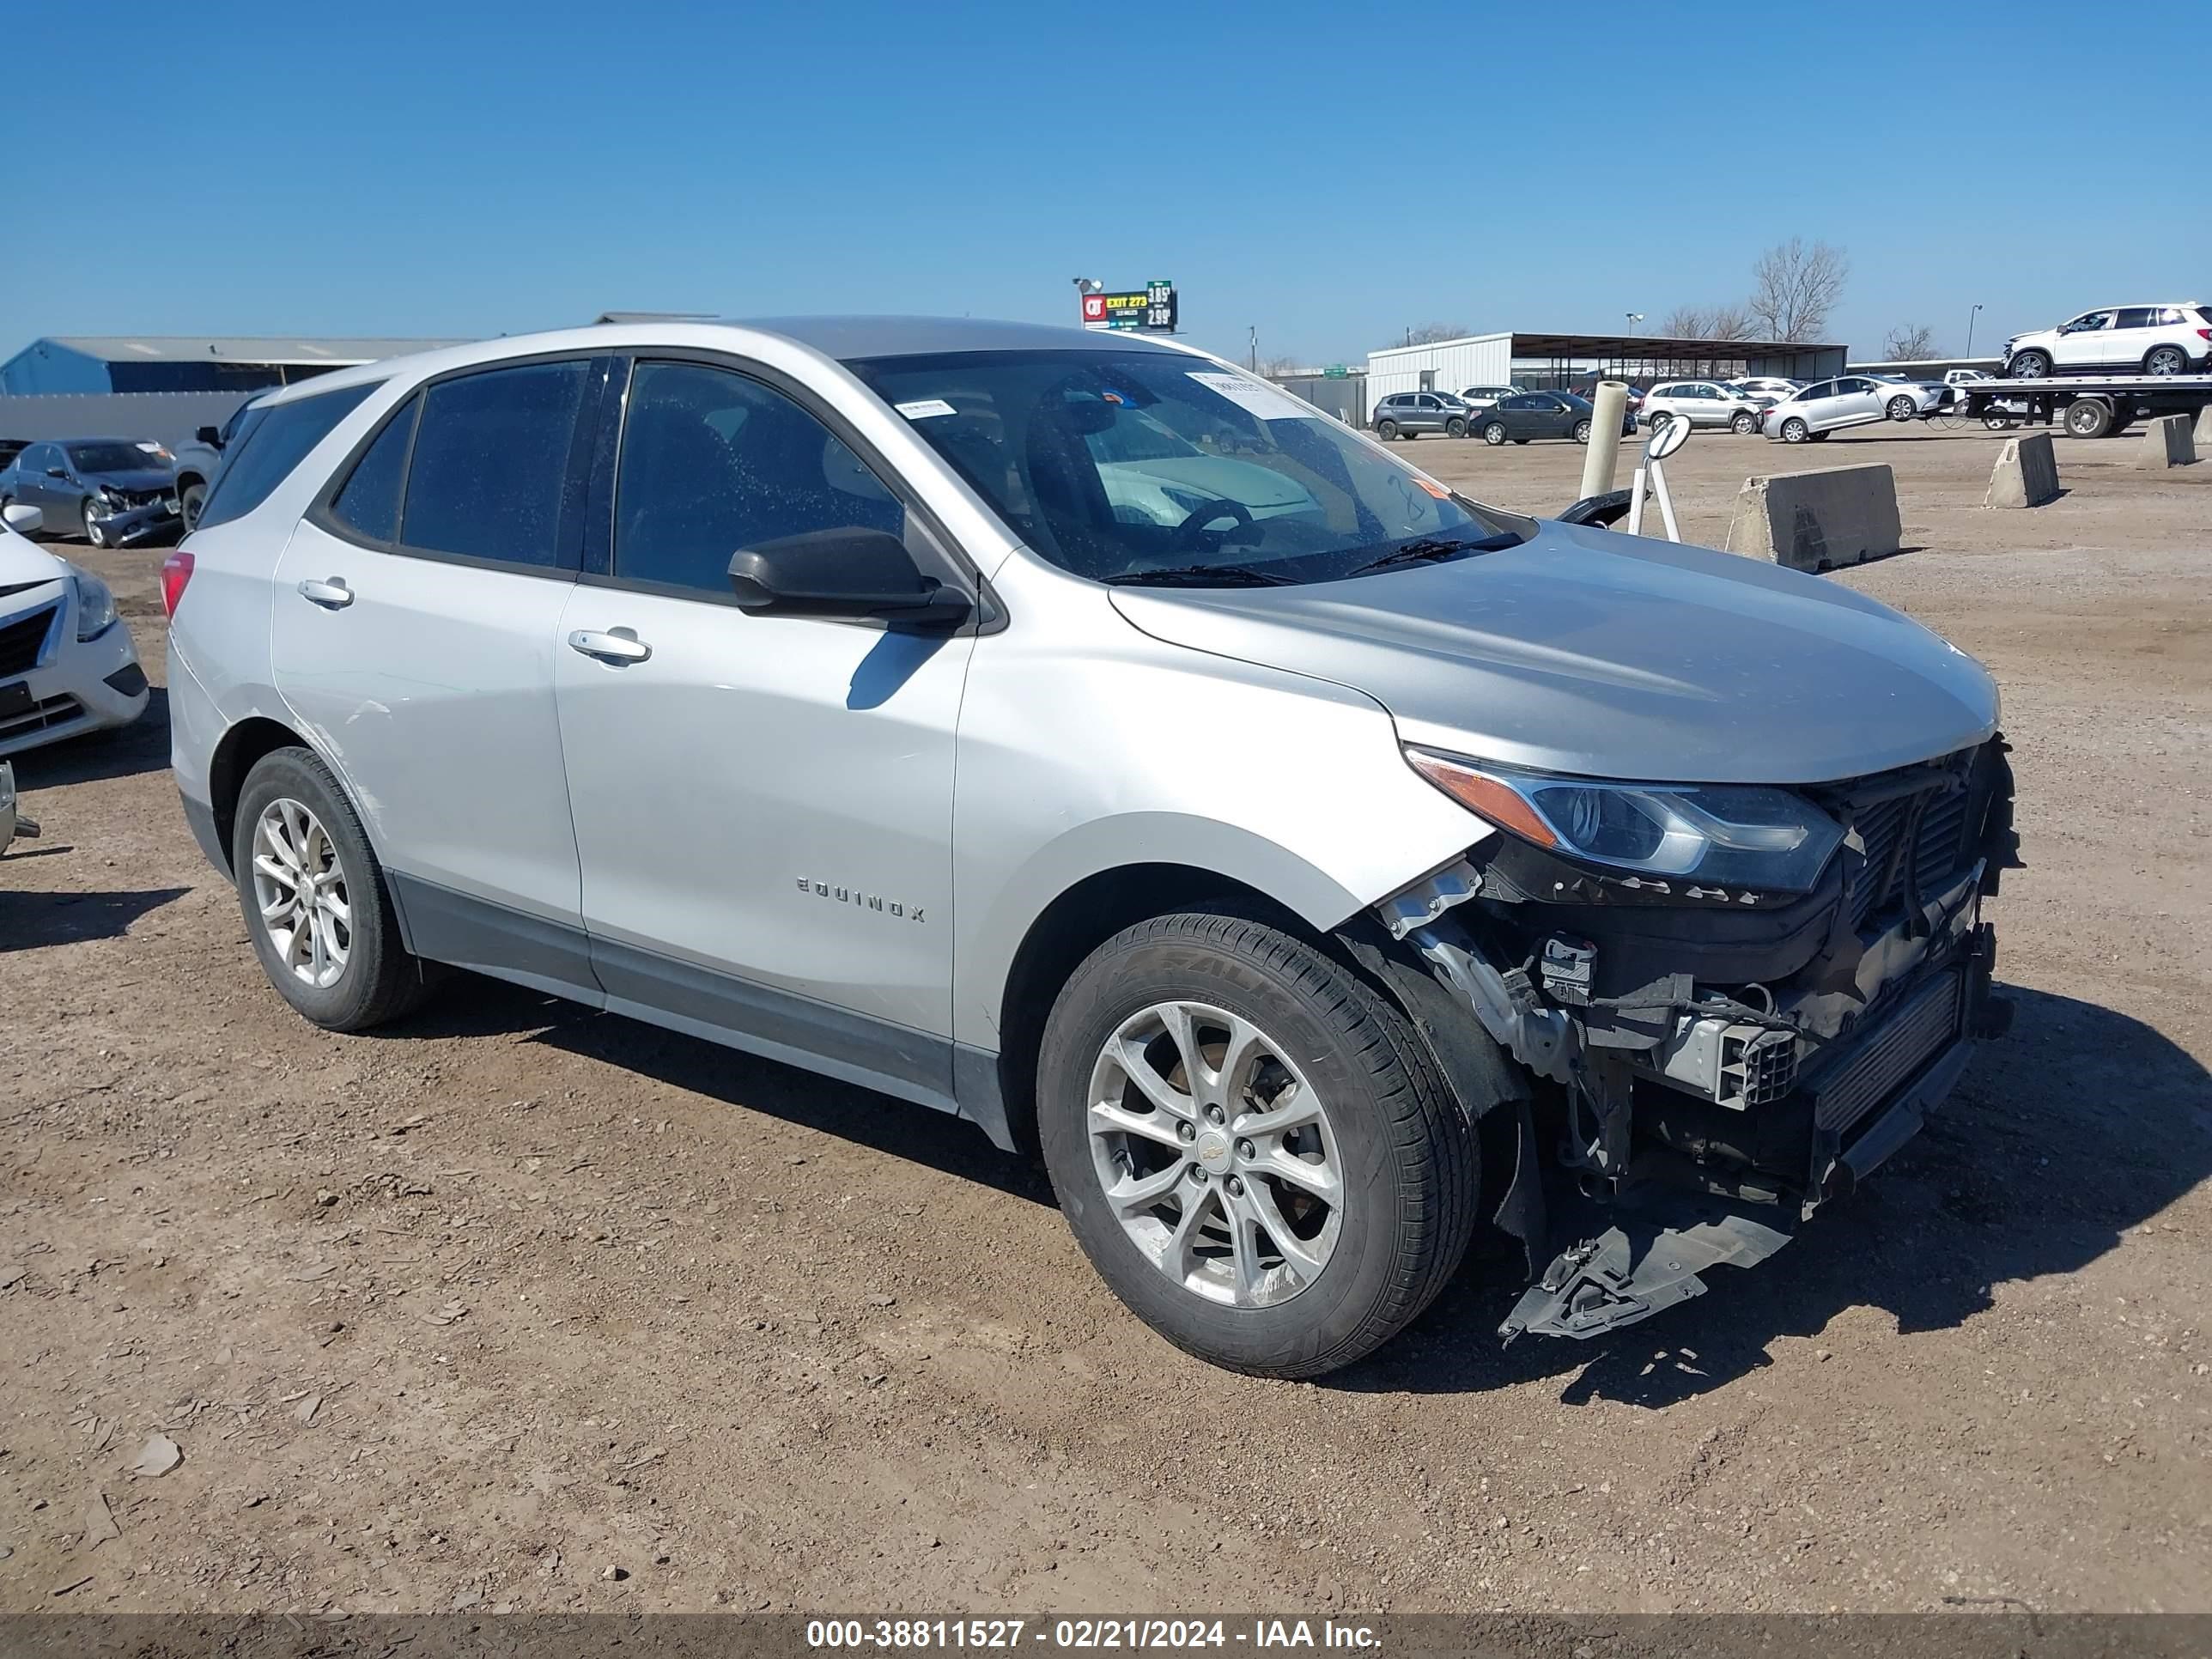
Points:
(269, 446)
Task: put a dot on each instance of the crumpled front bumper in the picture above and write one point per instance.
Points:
(129, 526)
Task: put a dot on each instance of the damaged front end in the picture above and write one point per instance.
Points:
(1712, 1060)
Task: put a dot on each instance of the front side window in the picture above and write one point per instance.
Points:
(1269, 489)
(2089, 322)
(490, 464)
(713, 461)
(269, 446)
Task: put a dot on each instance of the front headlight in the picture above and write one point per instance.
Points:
(1740, 834)
(95, 604)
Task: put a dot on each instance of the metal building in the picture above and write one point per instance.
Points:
(126, 363)
(1515, 358)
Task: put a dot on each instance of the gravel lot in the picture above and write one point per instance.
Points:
(518, 1305)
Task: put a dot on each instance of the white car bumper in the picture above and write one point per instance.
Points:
(71, 686)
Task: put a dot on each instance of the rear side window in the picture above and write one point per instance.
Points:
(712, 462)
(491, 464)
(368, 505)
(267, 447)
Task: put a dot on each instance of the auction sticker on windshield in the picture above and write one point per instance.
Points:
(922, 409)
(1254, 397)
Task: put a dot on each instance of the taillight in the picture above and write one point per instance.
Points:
(2204, 333)
(176, 571)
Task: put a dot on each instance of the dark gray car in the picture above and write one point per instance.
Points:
(115, 492)
(1409, 414)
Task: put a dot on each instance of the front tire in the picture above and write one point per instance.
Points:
(2029, 366)
(1252, 1146)
(95, 527)
(315, 901)
(1582, 432)
(1902, 408)
(1454, 428)
(1744, 425)
(189, 500)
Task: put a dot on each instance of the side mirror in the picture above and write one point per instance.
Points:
(24, 520)
(209, 435)
(846, 572)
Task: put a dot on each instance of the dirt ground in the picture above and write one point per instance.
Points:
(516, 1305)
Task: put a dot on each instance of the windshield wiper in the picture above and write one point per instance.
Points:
(1199, 575)
(1414, 552)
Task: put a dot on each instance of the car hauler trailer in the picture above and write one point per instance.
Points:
(2088, 405)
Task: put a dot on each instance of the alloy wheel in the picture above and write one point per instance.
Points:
(95, 523)
(300, 889)
(1215, 1154)
(2166, 360)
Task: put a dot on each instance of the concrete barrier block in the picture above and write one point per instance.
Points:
(2025, 475)
(2204, 425)
(1817, 520)
(2166, 443)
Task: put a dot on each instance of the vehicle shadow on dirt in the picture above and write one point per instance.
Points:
(140, 746)
(30, 921)
(2079, 1126)
(474, 1007)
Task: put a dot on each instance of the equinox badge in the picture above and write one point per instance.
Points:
(853, 896)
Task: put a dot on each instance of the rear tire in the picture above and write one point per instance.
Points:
(1187, 1242)
(1794, 431)
(2166, 360)
(296, 837)
(2088, 417)
(1493, 433)
(1386, 430)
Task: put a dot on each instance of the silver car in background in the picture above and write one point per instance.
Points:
(1702, 403)
(1075, 735)
(1814, 411)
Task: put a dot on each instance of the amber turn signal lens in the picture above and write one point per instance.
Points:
(1485, 797)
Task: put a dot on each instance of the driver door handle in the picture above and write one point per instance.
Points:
(331, 595)
(616, 645)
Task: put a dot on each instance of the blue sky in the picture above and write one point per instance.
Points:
(1330, 174)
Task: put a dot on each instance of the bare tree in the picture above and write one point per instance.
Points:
(1727, 322)
(1429, 333)
(1910, 343)
(1271, 367)
(1796, 287)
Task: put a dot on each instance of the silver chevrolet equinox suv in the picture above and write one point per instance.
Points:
(1076, 735)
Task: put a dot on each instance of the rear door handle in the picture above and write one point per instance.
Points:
(332, 595)
(615, 645)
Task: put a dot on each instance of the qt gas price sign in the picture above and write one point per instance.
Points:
(1150, 309)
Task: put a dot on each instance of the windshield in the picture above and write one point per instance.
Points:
(113, 458)
(1127, 465)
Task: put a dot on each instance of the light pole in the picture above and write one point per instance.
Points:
(1254, 331)
(1634, 318)
(1969, 331)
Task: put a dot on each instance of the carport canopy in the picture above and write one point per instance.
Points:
(1649, 357)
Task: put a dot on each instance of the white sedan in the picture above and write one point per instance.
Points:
(67, 664)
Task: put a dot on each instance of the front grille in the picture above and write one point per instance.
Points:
(54, 711)
(127, 498)
(1937, 818)
(1871, 1072)
(22, 639)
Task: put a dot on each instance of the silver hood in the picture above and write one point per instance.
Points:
(1586, 651)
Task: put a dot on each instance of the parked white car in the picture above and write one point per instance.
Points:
(67, 664)
(1773, 388)
(2155, 339)
(1701, 403)
(1486, 396)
